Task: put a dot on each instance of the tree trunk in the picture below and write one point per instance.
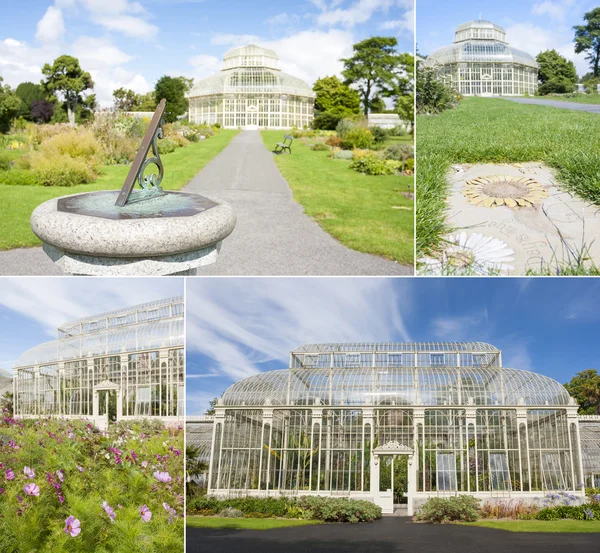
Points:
(71, 109)
(367, 96)
(596, 60)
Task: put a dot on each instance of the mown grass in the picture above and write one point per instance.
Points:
(245, 523)
(484, 130)
(18, 202)
(581, 99)
(366, 213)
(553, 526)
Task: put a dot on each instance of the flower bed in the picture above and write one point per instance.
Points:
(65, 486)
(326, 509)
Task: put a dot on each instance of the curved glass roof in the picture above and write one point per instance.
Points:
(397, 386)
(480, 41)
(144, 327)
(397, 346)
(199, 434)
(251, 69)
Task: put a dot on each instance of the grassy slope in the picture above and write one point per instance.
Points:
(556, 526)
(19, 201)
(488, 130)
(582, 99)
(245, 523)
(356, 209)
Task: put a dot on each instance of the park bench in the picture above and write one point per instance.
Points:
(281, 147)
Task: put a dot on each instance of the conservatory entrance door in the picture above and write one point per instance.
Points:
(107, 404)
(252, 116)
(391, 467)
(486, 85)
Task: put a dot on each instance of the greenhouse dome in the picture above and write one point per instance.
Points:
(252, 92)
(482, 63)
(123, 364)
(396, 423)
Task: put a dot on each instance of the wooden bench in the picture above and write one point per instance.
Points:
(284, 146)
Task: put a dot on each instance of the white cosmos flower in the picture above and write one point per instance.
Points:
(470, 254)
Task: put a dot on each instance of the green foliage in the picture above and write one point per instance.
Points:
(557, 85)
(19, 177)
(373, 66)
(173, 90)
(553, 66)
(357, 137)
(327, 509)
(10, 104)
(29, 93)
(66, 78)
(333, 102)
(319, 147)
(379, 134)
(459, 508)
(326, 121)
(125, 99)
(432, 95)
(369, 163)
(587, 39)
(7, 403)
(166, 146)
(229, 512)
(405, 107)
(75, 461)
(378, 105)
(585, 388)
(4, 161)
(589, 511)
(399, 152)
(61, 170)
(343, 154)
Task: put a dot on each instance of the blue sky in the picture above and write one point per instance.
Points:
(531, 25)
(31, 309)
(132, 43)
(237, 327)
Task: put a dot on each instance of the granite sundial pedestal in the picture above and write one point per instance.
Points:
(142, 232)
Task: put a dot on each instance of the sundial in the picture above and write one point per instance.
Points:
(139, 230)
(150, 200)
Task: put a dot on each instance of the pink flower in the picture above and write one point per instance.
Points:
(80, 468)
(162, 477)
(10, 475)
(32, 489)
(144, 464)
(145, 513)
(72, 526)
(61, 475)
(30, 473)
(109, 510)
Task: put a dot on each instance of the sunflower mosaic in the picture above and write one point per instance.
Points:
(499, 190)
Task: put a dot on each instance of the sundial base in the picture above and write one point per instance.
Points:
(176, 233)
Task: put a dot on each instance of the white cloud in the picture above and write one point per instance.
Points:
(128, 25)
(359, 12)
(456, 329)
(404, 24)
(99, 52)
(51, 27)
(228, 39)
(557, 9)
(240, 323)
(282, 19)
(20, 62)
(205, 65)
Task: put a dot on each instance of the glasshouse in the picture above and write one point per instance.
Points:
(252, 92)
(590, 449)
(396, 423)
(481, 63)
(120, 365)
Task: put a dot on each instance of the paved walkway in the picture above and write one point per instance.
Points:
(272, 235)
(388, 535)
(591, 108)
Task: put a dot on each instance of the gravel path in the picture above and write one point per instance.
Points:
(591, 108)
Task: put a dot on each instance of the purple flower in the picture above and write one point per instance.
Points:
(61, 475)
(144, 464)
(172, 512)
(32, 489)
(109, 510)
(145, 513)
(30, 473)
(10, 475)
(72, 526)
(162, 477)
(80, 468)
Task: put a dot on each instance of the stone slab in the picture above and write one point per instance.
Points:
(548, 234)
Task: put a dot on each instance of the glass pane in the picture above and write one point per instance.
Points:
(385, 472)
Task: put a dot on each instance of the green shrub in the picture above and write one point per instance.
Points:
(4, 162)
(320, 147)
(398, 130)
(62, 171)
(343, 154)
(399, 152)
(230, 512)
(588, 511)
(462, 507)
(18, 177)
(326, 121)
(379, 134)
(166, 146)
(370, 164)
(432, 95)
(345, 125)
(357, 138)
(80, 143)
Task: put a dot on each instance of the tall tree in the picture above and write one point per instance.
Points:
(372, 67)
(405, 107)
(554, 66)
(29, 93)
(66, 78)
(147, 102)
(125, 99)
(173, 89)
(402, 80)
(42, 111)
(587, 39)
(333, 102)
(9, 106)
(585, 388)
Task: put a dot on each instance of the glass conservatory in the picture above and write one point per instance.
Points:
(124, 364)
(482, 63)
(396, 423)
(252, 92)
(590, 449)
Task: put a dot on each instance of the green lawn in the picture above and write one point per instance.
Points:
(580, 99)
(245, 523)
(491, 130)
(365, 213)
(19, 201)
(555, 526)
